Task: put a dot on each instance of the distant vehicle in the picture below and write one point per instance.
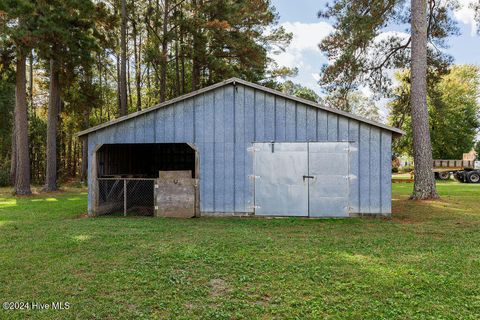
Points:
(467, 171)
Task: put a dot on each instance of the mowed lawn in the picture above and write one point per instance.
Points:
(424, 263)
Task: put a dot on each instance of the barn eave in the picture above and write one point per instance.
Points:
(395, 131)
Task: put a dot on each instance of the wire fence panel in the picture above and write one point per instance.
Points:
(110, 196)
(126, 196)
(140, 197)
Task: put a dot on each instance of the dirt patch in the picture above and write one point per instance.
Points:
(265, 300)
(218, 287)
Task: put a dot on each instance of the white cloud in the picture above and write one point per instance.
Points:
(306, 37)
(466, 15)
(303, 52)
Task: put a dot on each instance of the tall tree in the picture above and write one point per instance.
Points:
(7, 105)
(18, 26)
(164, 57)
(22, 172)
(66, 31)
(52, 124)
(362, 52)
(424, 185)
(13, 157)
(123, 61)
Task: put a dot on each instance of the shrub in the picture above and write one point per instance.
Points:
(4, 178)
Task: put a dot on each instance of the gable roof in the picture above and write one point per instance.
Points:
(247, 84)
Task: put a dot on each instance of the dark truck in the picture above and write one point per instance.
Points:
(463, 170)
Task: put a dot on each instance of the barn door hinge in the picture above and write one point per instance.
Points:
(156, 207)
(252, 149)
(254, 207)
(254, 177)
(156, 186)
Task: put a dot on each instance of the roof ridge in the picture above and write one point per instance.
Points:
(235, 80)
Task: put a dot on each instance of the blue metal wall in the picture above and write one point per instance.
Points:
(223, 123)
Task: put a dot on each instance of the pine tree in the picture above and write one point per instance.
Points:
(123, 61)
(424, 186)
(360, 57)
(19, 25)
(67, 37)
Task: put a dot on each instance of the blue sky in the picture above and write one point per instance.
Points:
(300, 18)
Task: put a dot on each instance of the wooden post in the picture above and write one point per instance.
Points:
(155, 181)
(197, 183)
(94, 180)
(125, 197)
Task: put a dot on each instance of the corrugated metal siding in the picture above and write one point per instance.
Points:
(224, 122)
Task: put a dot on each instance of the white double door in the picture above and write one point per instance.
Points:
(307, 179)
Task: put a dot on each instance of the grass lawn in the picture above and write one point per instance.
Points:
(424, 263)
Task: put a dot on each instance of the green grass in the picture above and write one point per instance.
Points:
(424, 263)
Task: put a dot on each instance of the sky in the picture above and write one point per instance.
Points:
(300, 18)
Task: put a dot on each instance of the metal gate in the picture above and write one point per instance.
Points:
(307, 179)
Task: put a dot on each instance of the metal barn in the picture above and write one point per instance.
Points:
(247, 150)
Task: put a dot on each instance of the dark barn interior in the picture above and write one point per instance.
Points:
(126, 174)
(143, 160)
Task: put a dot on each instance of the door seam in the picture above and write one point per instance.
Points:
(308, 180)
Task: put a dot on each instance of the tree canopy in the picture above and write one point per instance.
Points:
(363, 48)
(453, 110)
(74, 58)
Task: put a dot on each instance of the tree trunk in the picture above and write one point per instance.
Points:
(84, 168)
(183, 64)
(155, 69)
(13, 160)
(197, 53)
(30, 85)
(149, 87)
(129, 85)
(177, 69)
(69, 159)
(117, 59)
(73, 173)
(163, 66)
(52, 124)
(123, 62)
(147, 22)
(100, 76)
(22, 185)
(424, 186)
(137, 50)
